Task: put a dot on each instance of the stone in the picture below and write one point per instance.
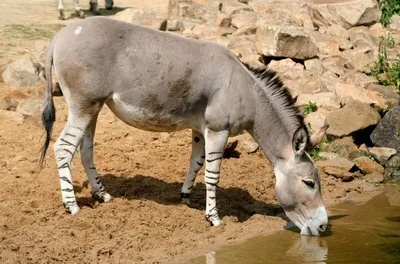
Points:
(285, 41)
(233, 7)
(11, 117)
(327, 100)
(351, 118)
(314, 66)
(382, 154)
(347, 14)
(282, 66)
(393, 162)
(254, 61)
(142, 17)
(30, 107)
(334, 64)
(245, 22)
(343, 146)
(22, 72)
(242, 46)
(366, 165)
(314, 121)
(384, 91)
(395, 22)
(387, 132)
(328, 45)
(328, 155)
(313, 84)
(358, 153)
(339, 173)
(341, 163)
(374, 177)
(249, 146)
(360, 59)
(358, 78)
(362, 37)
(336, 30)
(11, 100)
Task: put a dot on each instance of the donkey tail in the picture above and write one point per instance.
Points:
(49, 111)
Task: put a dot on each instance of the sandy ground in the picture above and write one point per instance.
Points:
(142, 170)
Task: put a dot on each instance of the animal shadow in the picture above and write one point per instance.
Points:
(231, 201)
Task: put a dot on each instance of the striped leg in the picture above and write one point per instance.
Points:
(78, 9)
(64, 149)
(61, 10)
(86, 152)
(196, 163)
(94, 7)
(215, 145)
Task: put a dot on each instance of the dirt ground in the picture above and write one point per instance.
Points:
(143, 171)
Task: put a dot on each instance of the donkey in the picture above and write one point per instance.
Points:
(93, 7)
(160, 81)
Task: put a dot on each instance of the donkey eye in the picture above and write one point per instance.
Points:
(309, 183)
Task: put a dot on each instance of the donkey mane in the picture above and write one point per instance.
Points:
(282, 100)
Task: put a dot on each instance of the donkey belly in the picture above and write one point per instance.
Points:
(146, 119)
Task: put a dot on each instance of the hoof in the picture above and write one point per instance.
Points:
(97, 13)
(81, 14)
(214, 220)
(73, 210)
(104, 198)
(185, 198)
(62, 16)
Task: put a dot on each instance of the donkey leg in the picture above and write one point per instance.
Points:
(86, 152)
(78, 9)
(94, 7)
(196, 163)
(215, 143)
(61, 10)
(64, 149)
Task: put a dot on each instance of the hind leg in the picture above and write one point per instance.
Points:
(61, 10)
(86, 152)
(196, 163)
(78, 9)
(94, 7)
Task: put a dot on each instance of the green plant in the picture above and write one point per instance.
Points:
(385, 70)
(388, 9)
(309, 108)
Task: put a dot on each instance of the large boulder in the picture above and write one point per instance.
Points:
(242, 46)
(382, 154)
(32, 107)
(142, 17)
(22, 72)
(352, 117)
(366, 165)
(11, 100)
(387, 132)
(347, 14)
(340, 163)
(285, 41)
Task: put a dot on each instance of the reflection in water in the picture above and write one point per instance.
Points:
(309, 249)
(361, 232)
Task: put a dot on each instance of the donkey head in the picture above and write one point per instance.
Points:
(298, 188)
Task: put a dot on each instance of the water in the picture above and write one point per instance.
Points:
(361, 232)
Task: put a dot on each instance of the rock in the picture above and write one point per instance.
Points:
(351, 118)
(395, 22)
(11, 117)
(339, 173)
(360, 59)
(233, 7)
(281, 41)
(343, 147)
(249, 146)
(314, 66)
(327, 100)
(327, 45)
(245, 22)
(142, 17)
(334, 64)
(223, 20)
(328, 155)
(382, 154)
(362, 37)
(359, 79)
(366, 165)
(384, 91)
(341, 163)
(242, 46)
(363, 147)
(314, 121)
(30, 107)
(374, 177)
(313, 84)
(387, 132)
(22, 72)
(347, 14)
(358, 153)
(335, 30)
(11, 101)
(393, 162)
(254, 61)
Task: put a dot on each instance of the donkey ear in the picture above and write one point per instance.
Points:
(299, 141)
(317, 136)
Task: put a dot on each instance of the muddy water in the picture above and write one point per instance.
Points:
(362, 231)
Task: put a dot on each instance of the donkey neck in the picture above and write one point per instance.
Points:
(275, 123)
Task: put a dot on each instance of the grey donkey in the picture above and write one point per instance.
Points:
(94, 7)
(160, 81)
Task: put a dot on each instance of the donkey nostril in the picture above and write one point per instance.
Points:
(322, 227)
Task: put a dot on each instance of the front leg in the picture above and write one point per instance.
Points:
(215, 143)
(196, 163)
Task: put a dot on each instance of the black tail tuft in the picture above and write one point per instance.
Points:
(48, 118)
